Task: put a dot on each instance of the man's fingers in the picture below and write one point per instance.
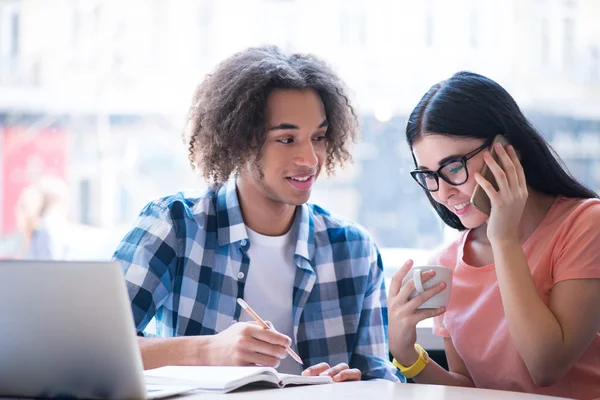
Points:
(253, 358)
(258, 346)
(268, 335)
(348, 375)
(335, 370)
(271, 326)
(315, 369)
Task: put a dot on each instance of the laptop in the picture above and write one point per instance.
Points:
(67, 331)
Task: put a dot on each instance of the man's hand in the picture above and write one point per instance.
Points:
(339, 373)
(247, 343)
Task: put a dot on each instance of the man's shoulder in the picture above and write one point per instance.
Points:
(186, 203)
(337, 228)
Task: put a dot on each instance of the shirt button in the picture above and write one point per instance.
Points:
(243, 242)
(240, 275)
(233, 322)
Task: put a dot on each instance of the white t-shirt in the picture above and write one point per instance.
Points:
(270, 285)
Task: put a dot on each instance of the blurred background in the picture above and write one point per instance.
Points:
(94, 93)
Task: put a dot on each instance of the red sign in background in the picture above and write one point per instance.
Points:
(25, 156)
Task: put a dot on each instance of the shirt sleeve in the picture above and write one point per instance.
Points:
(579, 254)
(148, 256)
(371, 353)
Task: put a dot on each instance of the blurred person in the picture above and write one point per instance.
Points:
(524, 307)
(263, 126)
(41, 213)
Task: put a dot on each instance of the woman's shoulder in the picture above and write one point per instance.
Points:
(573, 213)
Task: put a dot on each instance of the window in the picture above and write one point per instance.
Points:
(568, 42)
(474, 30)
(353, 24)
(115, 164)
(428, 26)
(281, 27)
(14, 35)
(544, 41)
(85, 198)
(595, 64)
(10, 32)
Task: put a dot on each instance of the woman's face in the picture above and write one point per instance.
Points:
(433, 150)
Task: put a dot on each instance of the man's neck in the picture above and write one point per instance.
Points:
(262, 215)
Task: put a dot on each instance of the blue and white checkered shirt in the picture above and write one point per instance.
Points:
(185, 263)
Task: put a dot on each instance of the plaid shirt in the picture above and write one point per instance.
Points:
(185, 264)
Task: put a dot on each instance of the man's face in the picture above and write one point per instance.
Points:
(294, 149)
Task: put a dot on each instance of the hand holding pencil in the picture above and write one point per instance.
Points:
(262, 323)
(339, 373)
(241, 344)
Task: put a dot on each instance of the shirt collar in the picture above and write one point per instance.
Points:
(231, 228)
(230, 224)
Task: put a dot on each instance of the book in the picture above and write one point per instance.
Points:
(226, 379)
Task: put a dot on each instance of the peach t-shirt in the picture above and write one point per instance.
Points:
(566, 245)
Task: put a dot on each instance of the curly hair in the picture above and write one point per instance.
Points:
(227, 117)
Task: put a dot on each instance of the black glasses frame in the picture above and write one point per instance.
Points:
(439, 174)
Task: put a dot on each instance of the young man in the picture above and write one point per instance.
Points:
(262, 128)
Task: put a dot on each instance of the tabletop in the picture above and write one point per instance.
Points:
(383, 390)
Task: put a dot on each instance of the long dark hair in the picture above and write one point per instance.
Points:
(470, 105)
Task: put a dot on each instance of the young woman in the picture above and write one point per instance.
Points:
(524, 314)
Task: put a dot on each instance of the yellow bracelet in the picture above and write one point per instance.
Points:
(417, 367)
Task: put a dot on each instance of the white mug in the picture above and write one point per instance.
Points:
(442, 274)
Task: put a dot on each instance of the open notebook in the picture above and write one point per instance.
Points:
(226, 379)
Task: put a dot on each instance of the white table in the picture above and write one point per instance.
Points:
(379, 389)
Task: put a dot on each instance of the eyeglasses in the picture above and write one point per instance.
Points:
(455, 172)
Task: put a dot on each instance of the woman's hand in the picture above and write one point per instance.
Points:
(509, 201)
(403, 314)
(340, 373)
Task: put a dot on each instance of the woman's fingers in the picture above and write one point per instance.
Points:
(409, 287)
(499, 175)
(487, 188)
(426, 313)
(421, 298)
(398, 277)
(512, 153)
(508, 166)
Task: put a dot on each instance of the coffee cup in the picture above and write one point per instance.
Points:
(442, 274)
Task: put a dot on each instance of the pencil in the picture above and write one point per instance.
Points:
(262, 323)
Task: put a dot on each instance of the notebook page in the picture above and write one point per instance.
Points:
(215, 378)
(287, 379)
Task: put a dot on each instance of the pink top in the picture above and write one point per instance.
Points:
(566, 245)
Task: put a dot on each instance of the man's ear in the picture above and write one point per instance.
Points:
(250, 164)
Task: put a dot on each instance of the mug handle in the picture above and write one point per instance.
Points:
(417, 279)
